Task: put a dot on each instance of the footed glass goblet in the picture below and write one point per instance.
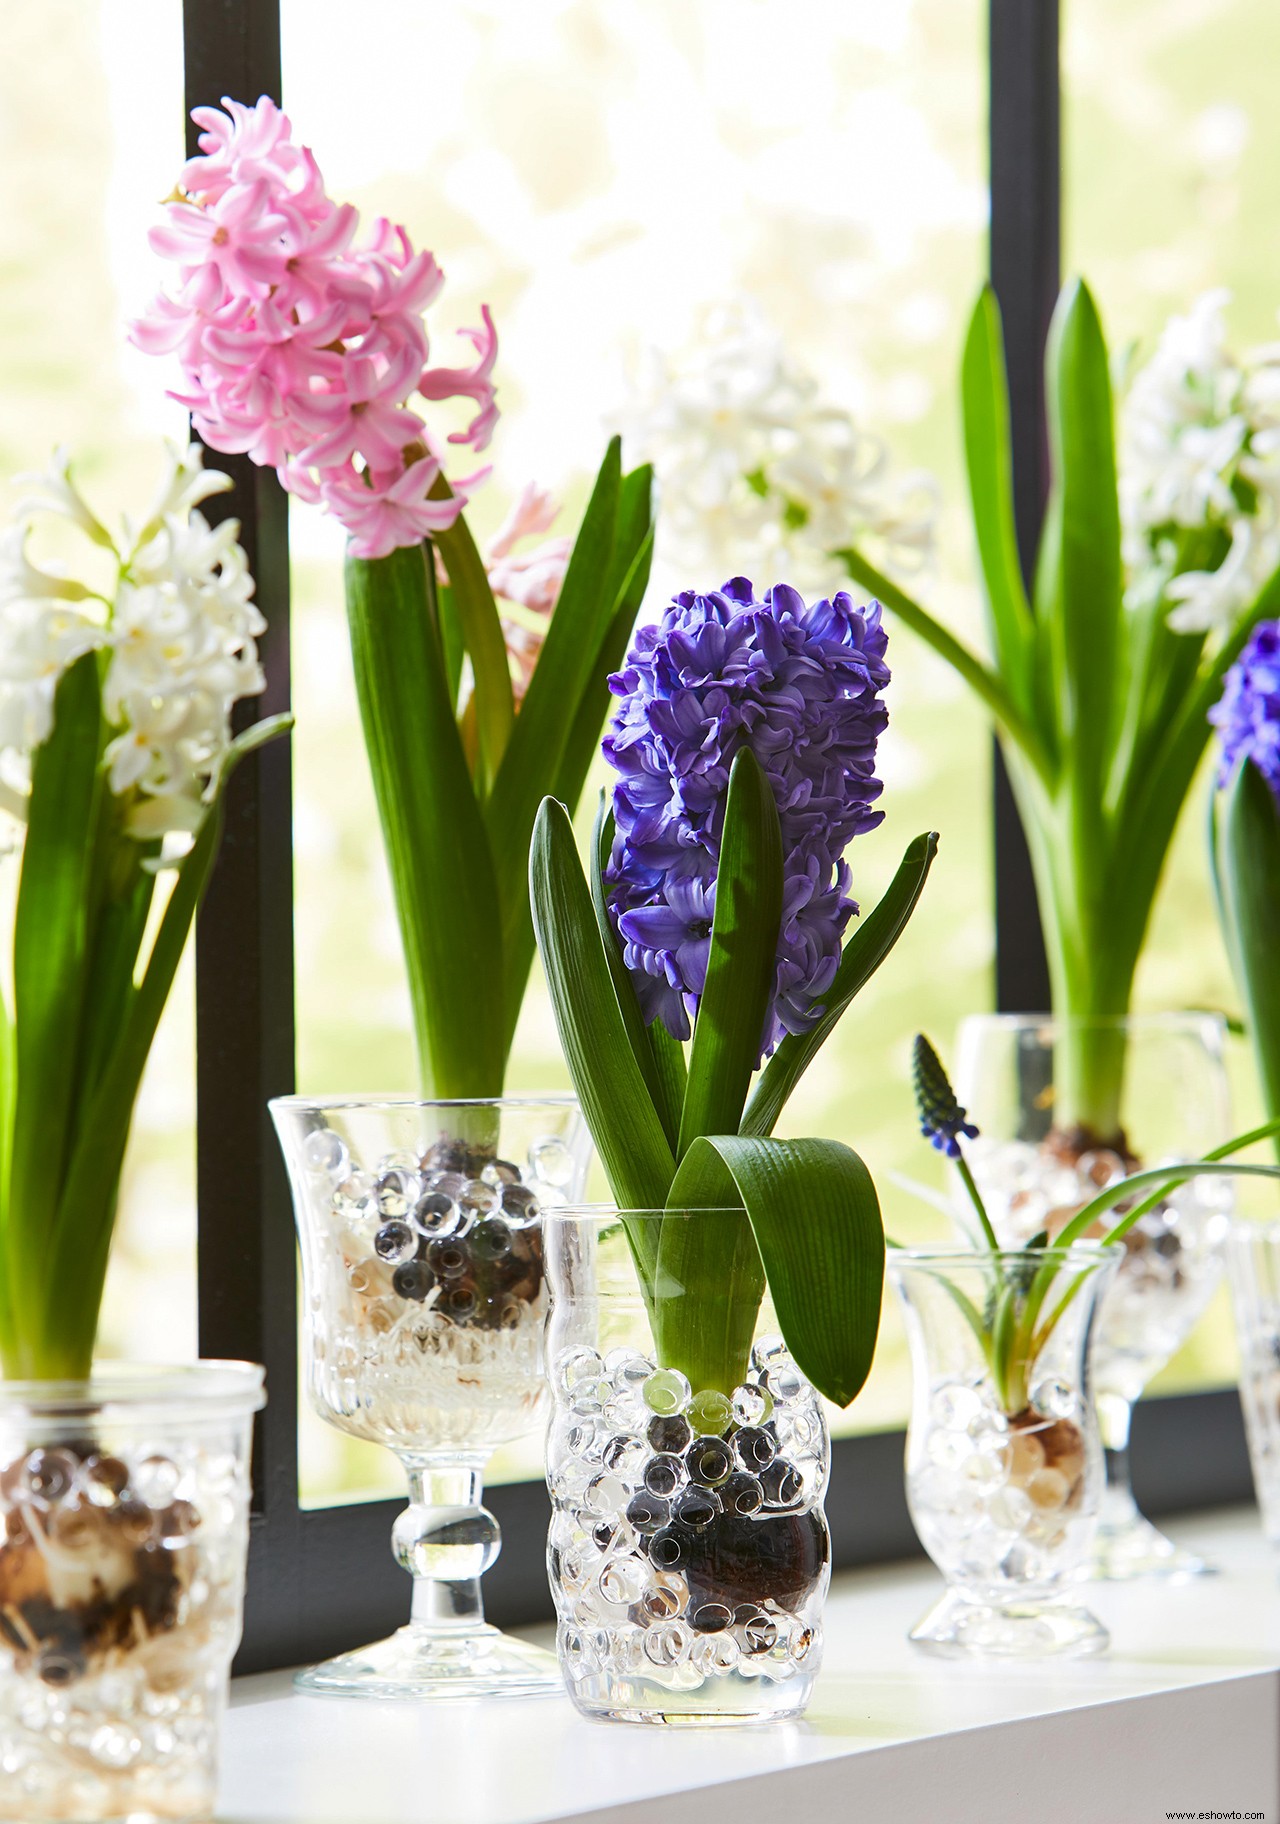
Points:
(1004, 1473)
(1036, 1163)
(420, 1226)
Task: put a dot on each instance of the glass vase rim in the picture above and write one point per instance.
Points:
(1187, 1018)
(296, 1104)
(957, 1253)
(214, 1386)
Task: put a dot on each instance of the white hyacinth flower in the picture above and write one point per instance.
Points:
(178, 625)
(754, 467)
(1200, 471)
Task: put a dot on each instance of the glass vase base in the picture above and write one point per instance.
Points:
(421, 1664)
(957, 1628)
(1137, 1549)
(727, 1702)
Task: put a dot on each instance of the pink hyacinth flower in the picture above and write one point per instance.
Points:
(303, 347)
(390, 510)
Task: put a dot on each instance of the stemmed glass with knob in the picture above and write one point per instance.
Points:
(420, 1226)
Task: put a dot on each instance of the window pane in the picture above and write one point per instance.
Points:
(91, 136)
(1172, 140)
(597, 175)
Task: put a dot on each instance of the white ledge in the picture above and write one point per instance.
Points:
(1183, 1716)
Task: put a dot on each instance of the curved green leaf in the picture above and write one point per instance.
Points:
(709, 1279)
(985, 401)
(1249, 873)
(51, 952)
(615, 1098)
(1087, 519)
(79, 1240)
(633, 552)
(742, 965)
(985, 683)
(816, 1220)
(442, 873)
(864, 951)
(531, 765)
(474, 620)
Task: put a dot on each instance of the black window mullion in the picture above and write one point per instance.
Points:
(244, 955)
(1025, 257)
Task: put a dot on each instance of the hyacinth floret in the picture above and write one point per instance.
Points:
(942, 1120)
(303, 346)
(798, 684)
(1248, 715)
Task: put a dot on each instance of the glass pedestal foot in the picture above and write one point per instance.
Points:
(418, 1662)
(957, 1627)
(1126, 1545)
(1134, 1548)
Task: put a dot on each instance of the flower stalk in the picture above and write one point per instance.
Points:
(1030, 1289)
(116, 695)
(305, 343)
(696, 977)
(1151, 572)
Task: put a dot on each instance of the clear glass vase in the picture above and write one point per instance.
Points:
(1036, 1162)
(124, 1502)
(687, 1458)
(1253, 1261)
(1004, 1476)
(421, 1233)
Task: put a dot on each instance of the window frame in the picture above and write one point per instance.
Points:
(323, 1579)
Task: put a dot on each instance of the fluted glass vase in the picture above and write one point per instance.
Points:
(688, 1552)
(1004, 1466)
(421, 1230)
(1036, 1165)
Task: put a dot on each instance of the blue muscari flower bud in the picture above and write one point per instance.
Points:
(942, 1120)
(1248, 716)
(800, 685)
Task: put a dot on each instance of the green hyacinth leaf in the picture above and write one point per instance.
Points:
(865, 949)
(471, 620)
(1249, 875)
(989, 459)
(816, 1219)
(1086, 521)
(52, 949)
(442, 872)
(610, 1085)
(531, 765)
(742, 966)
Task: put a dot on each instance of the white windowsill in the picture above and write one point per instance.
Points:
(1182, 1715)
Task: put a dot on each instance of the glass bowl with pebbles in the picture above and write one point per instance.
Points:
(1035, 1166)
(124, 1509)
(420, 1225)
(688, 1551)
(1004, 1464)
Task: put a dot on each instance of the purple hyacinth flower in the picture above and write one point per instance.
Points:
(800, 685)
(1248, 715)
